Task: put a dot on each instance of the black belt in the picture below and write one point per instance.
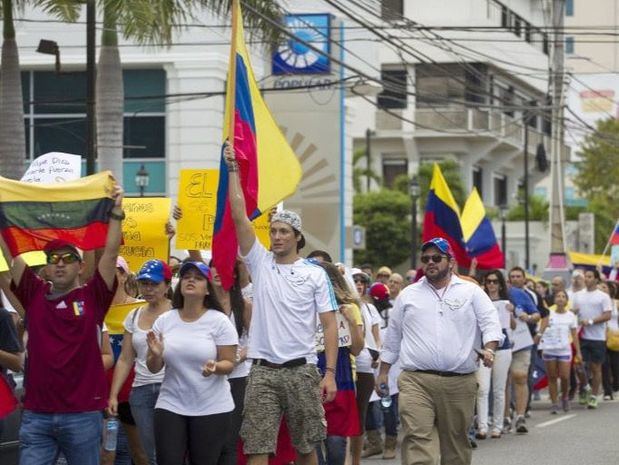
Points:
(297, 362)
(446, 374)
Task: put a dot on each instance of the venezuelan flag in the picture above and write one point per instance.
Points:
(268, 168)
(114, 319)
(342, 414)
(478, 234)
(442, 217)
(31, 215)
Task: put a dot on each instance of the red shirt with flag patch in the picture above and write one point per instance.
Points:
(64, 370)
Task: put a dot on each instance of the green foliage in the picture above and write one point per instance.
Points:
(451, 173)
(538, 210)
(597, 176)
(386, 217)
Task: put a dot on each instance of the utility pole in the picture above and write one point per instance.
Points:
(368, 157)
(558, 261)
(91, 131)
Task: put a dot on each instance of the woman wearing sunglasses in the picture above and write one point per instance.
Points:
(495, 287)
(197, 342)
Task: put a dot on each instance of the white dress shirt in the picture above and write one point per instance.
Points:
(432, 329)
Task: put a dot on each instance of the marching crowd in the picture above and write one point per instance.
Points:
(301, 360)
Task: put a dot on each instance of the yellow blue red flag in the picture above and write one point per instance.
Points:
(442, 217)
(268, 168)
(478, 235)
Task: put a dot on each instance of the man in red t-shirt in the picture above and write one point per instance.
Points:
(65, 388)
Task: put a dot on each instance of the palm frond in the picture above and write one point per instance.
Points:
(68, 10)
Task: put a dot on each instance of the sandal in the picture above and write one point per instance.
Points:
(495, 435)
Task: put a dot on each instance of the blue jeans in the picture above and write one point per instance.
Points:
(43, 435)
(378, 416)
(332, 451)
(142, 401)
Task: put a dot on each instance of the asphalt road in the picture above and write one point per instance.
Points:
(580, 437)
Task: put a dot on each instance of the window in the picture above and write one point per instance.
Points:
(500, 191)
(55, 119)
(392, 10)
(478, 180)
(569, 45)
(392, 168)
(394, 89)
(569, 7)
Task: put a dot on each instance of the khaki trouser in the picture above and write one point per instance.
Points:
(436, 413)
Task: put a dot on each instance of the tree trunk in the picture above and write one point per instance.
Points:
(12, 133)
(110, 101)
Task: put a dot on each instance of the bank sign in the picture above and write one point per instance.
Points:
(294, 56)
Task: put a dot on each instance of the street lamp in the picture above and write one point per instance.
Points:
(142, 177)
(50, 47)
(503, 209)
(414, 193)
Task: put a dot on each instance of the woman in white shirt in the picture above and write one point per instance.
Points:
(197, 343)
(554, 340)
(153, 284)
(495, 287)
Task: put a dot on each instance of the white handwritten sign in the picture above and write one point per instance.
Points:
(343, 333)
(54, 167)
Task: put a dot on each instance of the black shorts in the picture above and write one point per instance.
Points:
(124, 414)
(593, 351)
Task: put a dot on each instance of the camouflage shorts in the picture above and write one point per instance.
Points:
(293, 392)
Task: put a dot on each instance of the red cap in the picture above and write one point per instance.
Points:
(59, 244)
(379, 291)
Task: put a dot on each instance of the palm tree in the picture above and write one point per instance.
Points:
(12, 131)
(362, 173)
(150, 23)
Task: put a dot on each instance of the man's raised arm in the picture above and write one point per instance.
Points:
(244, 230)
(107, 262)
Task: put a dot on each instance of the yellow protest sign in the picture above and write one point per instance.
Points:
(144, 230)
(32, 259)
(197, 198)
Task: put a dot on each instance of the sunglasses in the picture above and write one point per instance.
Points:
(67, 258)
(435, 258)
(492, 281)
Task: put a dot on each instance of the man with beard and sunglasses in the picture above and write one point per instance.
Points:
(440, 327)
(65, 385)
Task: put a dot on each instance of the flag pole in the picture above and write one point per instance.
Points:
(608, 242)
(232, 72)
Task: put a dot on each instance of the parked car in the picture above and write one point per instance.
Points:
(9, 441)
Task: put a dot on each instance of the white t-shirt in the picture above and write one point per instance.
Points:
(242, 369)
(187, 347)
(370, 318)
(589, 305)
(559, 327)
(143, 375)
(286, 301)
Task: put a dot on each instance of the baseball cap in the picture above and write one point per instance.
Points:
(293, 220)
(122, 264)
(577, 272)
(59, 244)
(289, 217)
(200, 266)
(440, 243)
(379, 291)
(155, 271)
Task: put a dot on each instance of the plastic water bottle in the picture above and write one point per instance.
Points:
(111, 433)
(385, 400)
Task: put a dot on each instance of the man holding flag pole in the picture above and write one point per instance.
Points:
(258, 169)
